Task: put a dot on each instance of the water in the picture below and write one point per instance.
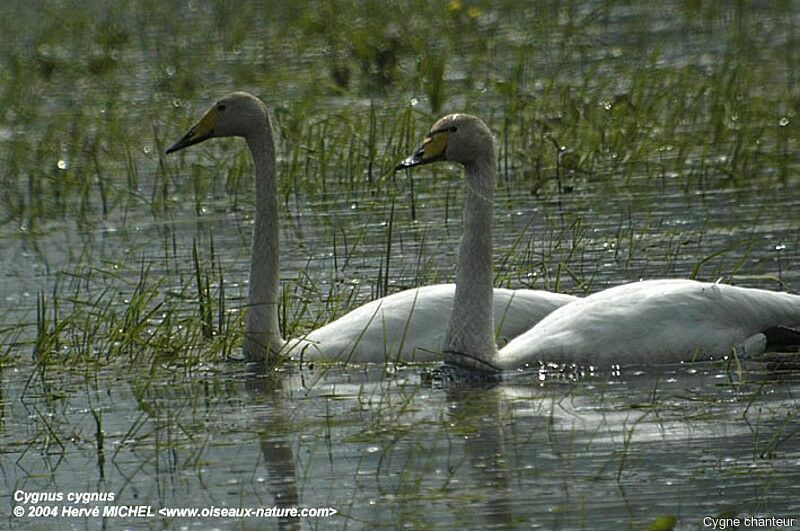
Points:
(171, 423)
(382, 448)
(598, 452)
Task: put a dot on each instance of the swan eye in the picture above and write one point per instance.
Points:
(221, 107)
(453, 129)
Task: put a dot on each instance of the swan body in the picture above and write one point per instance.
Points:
(406, 326)
(655, 321)
(410, 325)
(651, 322)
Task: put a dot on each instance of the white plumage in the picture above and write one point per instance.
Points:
(651, 322)
(410, 325)
(407, 326)
(656, 321)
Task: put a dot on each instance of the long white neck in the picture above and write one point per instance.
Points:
(470, 333)
(262, 334)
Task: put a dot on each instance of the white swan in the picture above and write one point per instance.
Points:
(652, 322)
(405, 326)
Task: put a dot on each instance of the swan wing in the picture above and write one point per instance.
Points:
(410, 325)
(659, 321)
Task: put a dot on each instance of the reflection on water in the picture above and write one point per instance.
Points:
(379, 445)
(601, 451)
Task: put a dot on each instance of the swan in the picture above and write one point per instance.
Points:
(648, 322)
(405, 326)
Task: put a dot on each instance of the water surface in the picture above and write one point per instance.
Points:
(632, 145)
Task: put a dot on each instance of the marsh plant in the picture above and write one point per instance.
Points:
(632, 142)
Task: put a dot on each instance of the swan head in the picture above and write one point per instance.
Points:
(461, 138)
(237, 114)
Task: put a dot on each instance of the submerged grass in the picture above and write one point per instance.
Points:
(628, 109)
(129, 262)
(641, 107)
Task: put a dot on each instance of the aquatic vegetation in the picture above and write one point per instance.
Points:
(631, 143)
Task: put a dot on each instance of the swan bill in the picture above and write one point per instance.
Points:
(431, 150)
(202, 130)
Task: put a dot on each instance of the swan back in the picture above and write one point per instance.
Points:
(657, 321)
(410, 325)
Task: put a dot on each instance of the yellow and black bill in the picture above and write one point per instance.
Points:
(431, 150)
(202, 130)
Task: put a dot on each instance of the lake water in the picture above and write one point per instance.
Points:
(384, 446)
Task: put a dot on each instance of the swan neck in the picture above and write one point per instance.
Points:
(470, 331)
(262, 333)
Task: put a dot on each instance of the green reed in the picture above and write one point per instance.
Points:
(349, 99)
